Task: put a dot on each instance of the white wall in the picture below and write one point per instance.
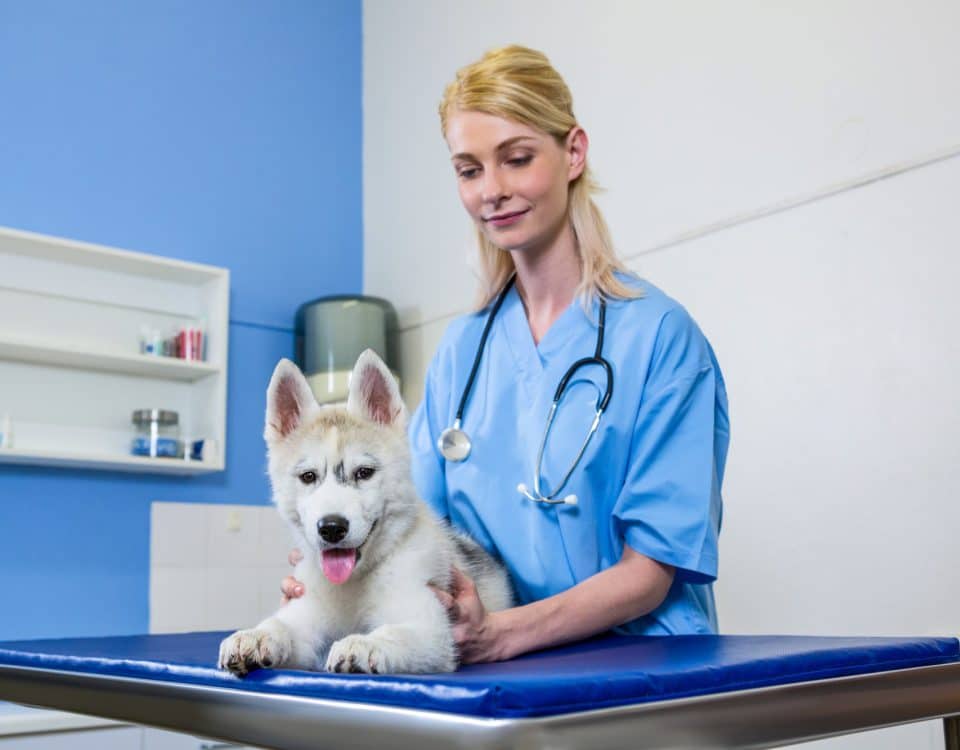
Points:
(215, 567)
(790, 171)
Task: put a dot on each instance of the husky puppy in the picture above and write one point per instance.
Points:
(341, 478)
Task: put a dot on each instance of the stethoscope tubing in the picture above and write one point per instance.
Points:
(468, 389)
(458, 443)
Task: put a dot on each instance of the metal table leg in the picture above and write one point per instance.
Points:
(951, 732)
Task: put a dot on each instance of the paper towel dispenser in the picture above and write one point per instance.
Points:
(331, 332)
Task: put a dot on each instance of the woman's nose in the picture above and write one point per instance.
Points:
(493, 188)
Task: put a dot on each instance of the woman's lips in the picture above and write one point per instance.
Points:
(505, 220)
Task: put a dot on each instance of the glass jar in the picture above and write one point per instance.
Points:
(158, 434)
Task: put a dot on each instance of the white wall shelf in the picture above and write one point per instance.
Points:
(65, 460)
(71, 371)
(143, 365)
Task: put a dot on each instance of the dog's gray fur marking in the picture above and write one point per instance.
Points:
(478, 561)
(340, 473)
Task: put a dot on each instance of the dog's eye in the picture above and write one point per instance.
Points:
(363, 472)
(308, 477)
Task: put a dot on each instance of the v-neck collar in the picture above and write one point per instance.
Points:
(563, 328)
(529, 356)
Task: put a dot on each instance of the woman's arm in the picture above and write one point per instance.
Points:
(633, 587)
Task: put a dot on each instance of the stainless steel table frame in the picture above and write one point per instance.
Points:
(758, 718)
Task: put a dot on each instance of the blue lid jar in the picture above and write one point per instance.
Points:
(158, 434)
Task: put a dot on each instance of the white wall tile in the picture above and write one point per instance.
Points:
(178, 534)
(119, 738)
(926, 735)
(232, 598)
(233, 535)
(177, 599)
(159, 739)
(268, 580)
(275, 539)
(209, 563)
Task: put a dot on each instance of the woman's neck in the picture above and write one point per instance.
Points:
(547, 282)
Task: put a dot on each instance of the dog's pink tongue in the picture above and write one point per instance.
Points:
(338, 564)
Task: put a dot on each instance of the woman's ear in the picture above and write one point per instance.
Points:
(576, 146)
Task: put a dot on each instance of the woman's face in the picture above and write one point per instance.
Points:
(514, 179)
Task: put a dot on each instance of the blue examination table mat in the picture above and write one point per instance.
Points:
(600, 673)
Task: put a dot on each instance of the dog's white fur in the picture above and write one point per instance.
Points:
(384, 617)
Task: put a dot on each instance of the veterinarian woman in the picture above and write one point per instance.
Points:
(632, 542)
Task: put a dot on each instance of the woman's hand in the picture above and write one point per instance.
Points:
(474, 629)
(290, 586)
(631, 588)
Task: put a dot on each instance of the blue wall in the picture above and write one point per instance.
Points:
(224, 132)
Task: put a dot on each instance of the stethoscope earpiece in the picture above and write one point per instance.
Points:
(454, 444)
(525, 491)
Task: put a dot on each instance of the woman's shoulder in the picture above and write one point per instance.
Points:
(651, 309)
(658, 323)
(463, 327)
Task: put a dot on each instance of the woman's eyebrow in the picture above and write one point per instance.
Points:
(500, 147)
(511, 141)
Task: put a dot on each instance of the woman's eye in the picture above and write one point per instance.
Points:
(308, 477)
(520, 161)
(363, 472)
(468, 174)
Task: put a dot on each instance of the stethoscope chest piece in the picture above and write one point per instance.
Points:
(453, 443)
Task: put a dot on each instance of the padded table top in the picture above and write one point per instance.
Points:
(603, 672)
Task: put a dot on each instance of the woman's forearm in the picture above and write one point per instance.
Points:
(633, 587)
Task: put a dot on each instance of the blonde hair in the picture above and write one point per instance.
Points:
(520, 84)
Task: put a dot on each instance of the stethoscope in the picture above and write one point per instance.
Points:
(454, 444)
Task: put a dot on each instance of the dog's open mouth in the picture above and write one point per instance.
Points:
(338, 564)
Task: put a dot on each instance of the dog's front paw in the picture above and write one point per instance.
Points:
(359, 653)
(247, 650)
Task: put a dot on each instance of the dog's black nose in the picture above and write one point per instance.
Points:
(333, 528)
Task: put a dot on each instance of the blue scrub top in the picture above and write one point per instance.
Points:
(651, 476)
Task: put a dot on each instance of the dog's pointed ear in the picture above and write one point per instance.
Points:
(289, 398)
(374, 394)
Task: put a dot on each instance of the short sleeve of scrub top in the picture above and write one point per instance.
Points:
(651, 476)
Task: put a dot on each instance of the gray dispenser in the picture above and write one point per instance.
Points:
(331, 332)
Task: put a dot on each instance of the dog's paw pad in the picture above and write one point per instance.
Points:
(247, 650)
(357, 654)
